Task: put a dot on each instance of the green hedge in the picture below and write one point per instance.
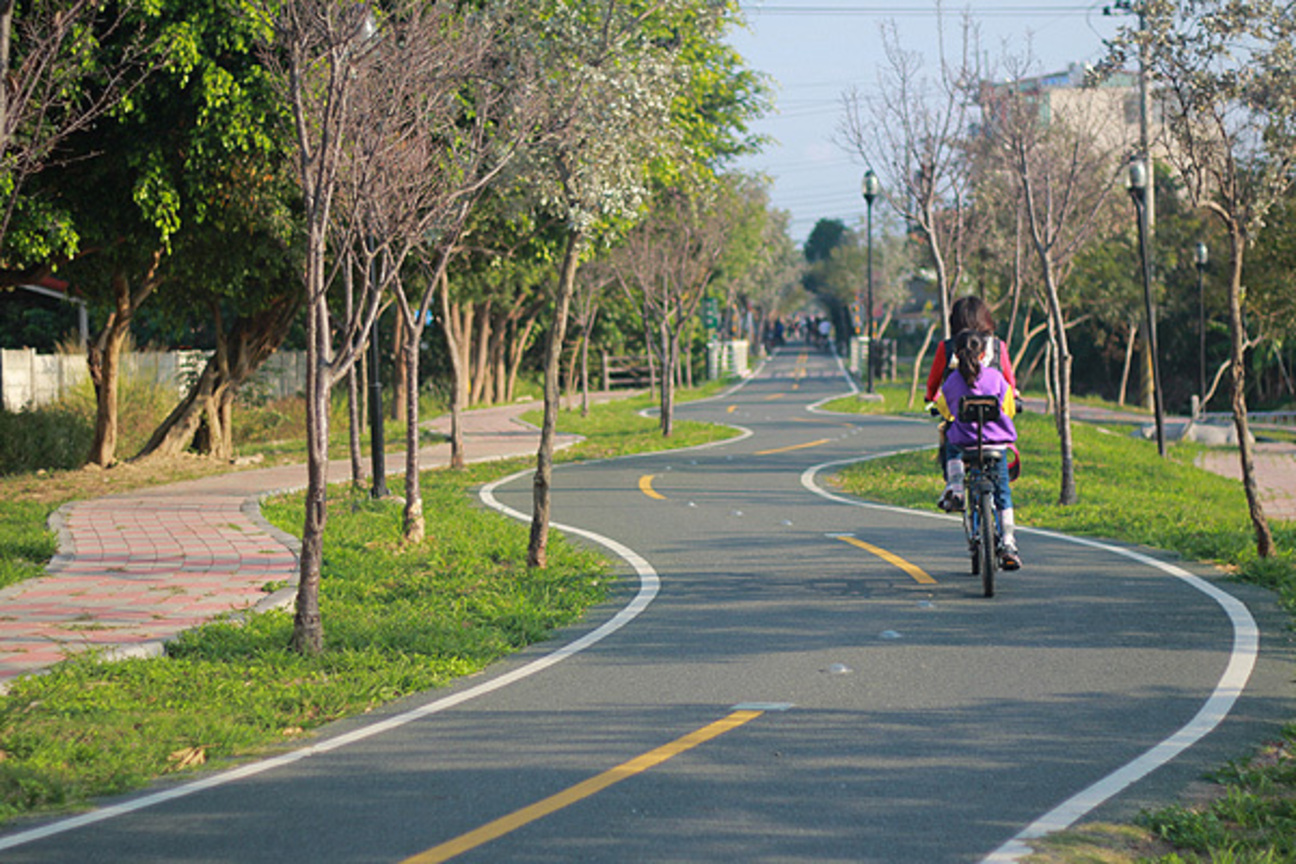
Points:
(43, 438)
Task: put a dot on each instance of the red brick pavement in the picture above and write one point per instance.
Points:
(134, 570)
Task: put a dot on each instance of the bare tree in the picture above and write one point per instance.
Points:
(666, 262)
(912, 135)
(1063, 174)
(1226, 79)
(368, 97)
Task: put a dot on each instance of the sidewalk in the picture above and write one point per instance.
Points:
(136, 569)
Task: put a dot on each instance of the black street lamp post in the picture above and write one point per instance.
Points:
(1137, 183)
(871, 186)
(1202, 258)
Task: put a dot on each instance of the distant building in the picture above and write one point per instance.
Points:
(1108, 112)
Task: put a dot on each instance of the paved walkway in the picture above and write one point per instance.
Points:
(136, 569)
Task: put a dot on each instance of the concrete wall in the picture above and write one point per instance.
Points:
(30, 380)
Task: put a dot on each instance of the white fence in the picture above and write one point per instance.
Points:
(30, 380)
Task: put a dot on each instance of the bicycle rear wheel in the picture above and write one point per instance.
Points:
(986, 542)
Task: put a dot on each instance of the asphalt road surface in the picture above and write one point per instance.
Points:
(787, 675)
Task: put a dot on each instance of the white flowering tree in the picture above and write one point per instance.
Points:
(611, 74)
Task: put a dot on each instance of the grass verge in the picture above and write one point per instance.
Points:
(1127, 493)
(398, 620)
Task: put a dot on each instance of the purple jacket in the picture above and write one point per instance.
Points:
(990, 382)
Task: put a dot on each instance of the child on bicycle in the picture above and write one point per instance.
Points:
(967, 313)
(974, 378)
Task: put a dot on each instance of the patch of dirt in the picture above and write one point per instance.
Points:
(56, 487)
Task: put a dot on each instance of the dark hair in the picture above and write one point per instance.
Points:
(971, 313)
(969, 345)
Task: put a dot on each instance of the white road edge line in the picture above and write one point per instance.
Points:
(649, 584)
(1246, 641)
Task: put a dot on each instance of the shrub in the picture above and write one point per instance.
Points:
(43, 438)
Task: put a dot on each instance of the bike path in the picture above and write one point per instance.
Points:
(897, 721)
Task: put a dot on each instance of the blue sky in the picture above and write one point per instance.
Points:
(817, 51)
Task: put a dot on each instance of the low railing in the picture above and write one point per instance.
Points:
(1263, 418)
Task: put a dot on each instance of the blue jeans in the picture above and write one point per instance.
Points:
(1002, 490)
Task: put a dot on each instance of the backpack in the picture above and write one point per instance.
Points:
(993, 348)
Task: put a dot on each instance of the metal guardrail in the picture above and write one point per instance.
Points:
(1268, 418)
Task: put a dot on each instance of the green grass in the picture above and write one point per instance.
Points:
(25, 543)
(894, 400)
(398, 619)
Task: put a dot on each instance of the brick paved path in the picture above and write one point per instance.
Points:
(136, 569)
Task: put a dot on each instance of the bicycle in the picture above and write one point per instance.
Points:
(980, 516)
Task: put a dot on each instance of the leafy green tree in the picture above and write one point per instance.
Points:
(1226, 78)
(189, 153)
(66, 63)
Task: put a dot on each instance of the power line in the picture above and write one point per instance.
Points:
(760, 9)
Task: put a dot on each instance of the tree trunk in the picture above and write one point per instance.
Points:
(537, 548)
(354, 402)
(454, 337)
(239, 354)
(584, 372)
(670, 366)
(103, 356)
(480, 353)
(400, 335)
(1237, 370)
(1062, 415)
(517, 352)
(570, 378)
(918, 362)
(415, 526)
(308, 625)
(1128, 364)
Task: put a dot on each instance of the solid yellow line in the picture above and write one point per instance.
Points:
(645, 486)
(913, 570)
(554, 803)
(793, 447)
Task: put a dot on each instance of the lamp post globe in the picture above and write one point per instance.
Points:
(870, 187)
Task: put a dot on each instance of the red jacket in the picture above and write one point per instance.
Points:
(940, 365)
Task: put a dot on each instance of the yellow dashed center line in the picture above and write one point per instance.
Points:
(569, 796)
(818, 443)
(645, 486)
(919, 575)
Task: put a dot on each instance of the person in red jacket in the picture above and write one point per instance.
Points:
(972, 314)
(969, 313)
